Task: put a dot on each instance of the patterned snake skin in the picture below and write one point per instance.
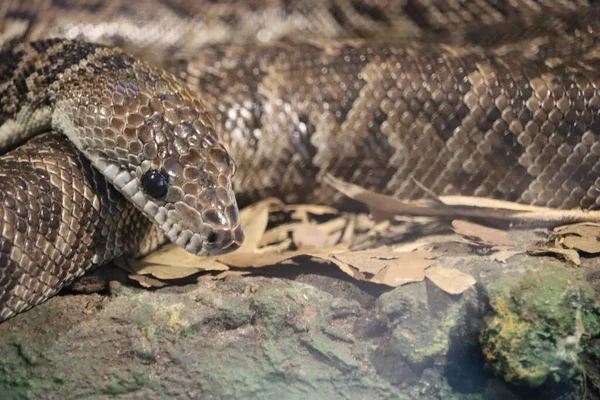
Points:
(387, 94)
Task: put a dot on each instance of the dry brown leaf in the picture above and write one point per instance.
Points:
(334, 225)
(301, 211)
(502, 254)
(581, 229)
(315, 209)
(364, 261)
(147, 281)
(450, 280)
(568, 254)
(424, 242)
(400, 273)
(173, 262)
(585, 244)
(380, 216)
(584, 237)
(482, 234)
(392, 269)
(278, 233)
(280, 247)
(385, 249)
(384, 206)
(347, 235)
(257, 260)
(229, 272)
(310, 237)
(341, 265)
(254, 220)
(464, 206)
(485, 202)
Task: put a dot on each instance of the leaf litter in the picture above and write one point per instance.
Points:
(396, 243)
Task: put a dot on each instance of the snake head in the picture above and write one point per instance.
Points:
(149, 135)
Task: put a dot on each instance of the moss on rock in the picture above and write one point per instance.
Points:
(541, 325)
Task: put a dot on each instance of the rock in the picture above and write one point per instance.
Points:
(315, 336)
(544, 324)
(241, 338)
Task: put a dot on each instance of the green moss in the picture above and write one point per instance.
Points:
(188, 333)
(15, 383)
(236, 313)
(539, 325)
(333, 354)
(141, 315)
(123, 383)
(425, 338)
(420, 334)
(150, 331)
(275, 307)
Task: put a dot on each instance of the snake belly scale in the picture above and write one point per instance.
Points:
(107, 154)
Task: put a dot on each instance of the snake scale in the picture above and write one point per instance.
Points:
(110, 152)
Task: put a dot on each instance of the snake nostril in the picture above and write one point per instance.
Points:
(211, 238)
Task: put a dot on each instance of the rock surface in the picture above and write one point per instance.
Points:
(311, 332)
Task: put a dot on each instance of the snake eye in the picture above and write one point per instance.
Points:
(211, 238)
(155, 183)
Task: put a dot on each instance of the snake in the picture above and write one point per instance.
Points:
(124, 125)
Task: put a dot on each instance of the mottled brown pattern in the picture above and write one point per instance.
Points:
(506, 107)
(153, 27)
(59, 219)
(404, 116)
(141, 128)
(129, 119)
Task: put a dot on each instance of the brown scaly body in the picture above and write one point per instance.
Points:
(141, 128)
(481, 112)
(59, 219)
(457, 122)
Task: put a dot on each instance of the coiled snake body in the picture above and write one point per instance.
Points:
(125, 155)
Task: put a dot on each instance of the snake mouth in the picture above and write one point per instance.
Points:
(210, 242)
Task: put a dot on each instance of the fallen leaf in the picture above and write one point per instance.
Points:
(147, 281)
(229, 272)
(395, 274)
(503, 254)
(172, 262)
(460, 206)
(309, 237)
(301, 211)
(581, 229)
(389, 268)
(584, 237)
(585, 244)
(254, 221)
(347, 235)
(335, 225)
(450, 280)
(280, 247)
(349, 270)
(482, 234)
(257, 260)
(421, 243)
(569, 254)
(278, 233)
(383, 206)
